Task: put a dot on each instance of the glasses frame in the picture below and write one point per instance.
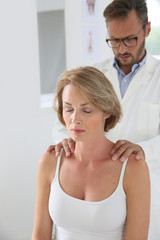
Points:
(123, 39)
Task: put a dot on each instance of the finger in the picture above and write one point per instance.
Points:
(58, 148)
(66, 148)
(117, 146)
(71, 144)
(119, 152)
(140, 155)
(127, 153)
(50, 148)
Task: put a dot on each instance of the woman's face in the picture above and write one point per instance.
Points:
(83, 120)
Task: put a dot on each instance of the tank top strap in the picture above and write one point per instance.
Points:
(122, 172)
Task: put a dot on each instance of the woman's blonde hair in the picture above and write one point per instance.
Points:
(96, 87)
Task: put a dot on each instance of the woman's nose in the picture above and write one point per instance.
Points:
(76, 118)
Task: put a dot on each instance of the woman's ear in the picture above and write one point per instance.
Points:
(107, 115)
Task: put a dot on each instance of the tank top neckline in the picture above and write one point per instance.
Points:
(113, 195)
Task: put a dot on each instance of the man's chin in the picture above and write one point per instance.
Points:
(125, 62)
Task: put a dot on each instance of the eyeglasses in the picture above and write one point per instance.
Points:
(128, 42)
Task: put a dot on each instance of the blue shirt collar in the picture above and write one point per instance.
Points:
(134, 67)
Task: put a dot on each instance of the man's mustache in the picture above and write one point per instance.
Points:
(124, 54)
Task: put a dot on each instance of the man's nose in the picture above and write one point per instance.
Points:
(122, 48)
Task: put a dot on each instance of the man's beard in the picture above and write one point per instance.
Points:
(134, 59)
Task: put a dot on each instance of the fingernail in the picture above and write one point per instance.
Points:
(114, 158)
(57, 154)
(67, 154)
(122, 159)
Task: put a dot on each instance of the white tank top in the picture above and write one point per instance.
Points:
(76, 219)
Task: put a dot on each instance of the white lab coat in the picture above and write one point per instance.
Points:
(141, 108)
(140, 123)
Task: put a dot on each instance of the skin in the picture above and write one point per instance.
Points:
(91, 168)
(126, 58)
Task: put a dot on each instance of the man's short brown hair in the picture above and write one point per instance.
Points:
(119, 9)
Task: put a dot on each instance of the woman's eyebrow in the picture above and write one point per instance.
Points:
(68, 103)
(83, 104)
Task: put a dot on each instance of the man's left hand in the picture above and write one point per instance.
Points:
(123, 149)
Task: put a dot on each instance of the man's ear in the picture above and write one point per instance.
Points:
(148, 29)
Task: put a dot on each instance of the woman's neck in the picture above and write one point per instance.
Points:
(93, 150)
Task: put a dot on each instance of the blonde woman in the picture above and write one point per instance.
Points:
(88, 196)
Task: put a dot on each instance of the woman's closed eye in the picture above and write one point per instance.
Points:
(71, 110)
(68, 109)
(87, 111)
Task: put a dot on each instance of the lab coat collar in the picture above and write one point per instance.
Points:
(142, 76)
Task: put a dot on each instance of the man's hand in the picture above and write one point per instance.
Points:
(67, 144)
(124, 149)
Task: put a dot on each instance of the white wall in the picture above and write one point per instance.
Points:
(25, 129)
(48, 5)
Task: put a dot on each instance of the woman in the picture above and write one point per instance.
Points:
(89, 196)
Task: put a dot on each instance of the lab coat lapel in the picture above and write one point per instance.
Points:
(142, 76)
(112, 75)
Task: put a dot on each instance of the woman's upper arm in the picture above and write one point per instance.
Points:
(42, 222)
(137, 187)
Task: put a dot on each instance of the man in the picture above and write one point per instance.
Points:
(135, 76)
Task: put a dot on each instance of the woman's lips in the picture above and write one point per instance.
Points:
(77, 131)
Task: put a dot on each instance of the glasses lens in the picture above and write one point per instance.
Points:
(130, 42)
(113, 43)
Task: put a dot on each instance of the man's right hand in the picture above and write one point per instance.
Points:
(67, 144)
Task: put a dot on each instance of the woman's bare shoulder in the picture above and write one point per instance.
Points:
(48, 158)
(47, 165)
(136, 173)
(134, 165)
